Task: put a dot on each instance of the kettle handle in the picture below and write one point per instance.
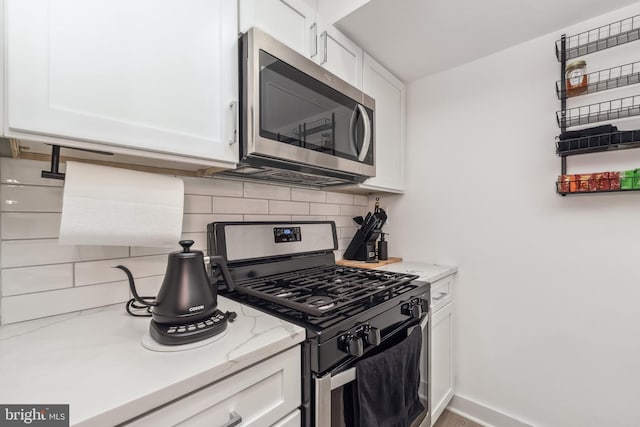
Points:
(222, 263)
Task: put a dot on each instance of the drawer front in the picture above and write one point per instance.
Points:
(261, 395)
(294, 419)
(441, 292)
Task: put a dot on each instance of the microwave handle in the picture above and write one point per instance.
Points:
(366, 139)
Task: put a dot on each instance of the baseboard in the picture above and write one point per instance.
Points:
(481, 414)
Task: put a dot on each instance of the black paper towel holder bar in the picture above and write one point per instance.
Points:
(55, 165)
(54, 172)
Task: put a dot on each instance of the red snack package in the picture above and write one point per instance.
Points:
(584, 181)
(599, 182)
(614, 180)
(567, 184)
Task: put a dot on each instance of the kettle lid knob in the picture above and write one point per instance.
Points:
(186, 245)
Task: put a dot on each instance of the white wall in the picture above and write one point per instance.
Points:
(548, 292)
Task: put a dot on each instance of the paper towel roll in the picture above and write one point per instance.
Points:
(110, 206)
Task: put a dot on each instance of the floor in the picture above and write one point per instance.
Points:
(449, 419)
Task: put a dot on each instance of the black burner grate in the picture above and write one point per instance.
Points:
(321, 291)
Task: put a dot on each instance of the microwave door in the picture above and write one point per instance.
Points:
(294, 116)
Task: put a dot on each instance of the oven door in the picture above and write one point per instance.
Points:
(328, 389)
(295, 111)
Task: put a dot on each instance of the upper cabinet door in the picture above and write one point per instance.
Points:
(339, 55)
(289, 21)
(143, 74)
(389, 93)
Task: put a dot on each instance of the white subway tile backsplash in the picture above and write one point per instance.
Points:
(324, 209)
(340, 198)
(342, 221)
(212, 187)
(308, 218)
(304, 195)
(23, 253)
(291, 208)
(197, 223)
(197, 204)
(40, 277)
(346, 232)
(248, 218)
(32, 306)
(265, 191)
(343, 244)
(148, 286)
(22, 198)
(240, 206)
(352, 210)
(16, 281)
(199, 239)
(360, 200)
(26, 172)
(145, 251)
(27, 225)
(94, 272)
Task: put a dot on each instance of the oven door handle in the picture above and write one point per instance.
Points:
(324, 386)
(422, 325)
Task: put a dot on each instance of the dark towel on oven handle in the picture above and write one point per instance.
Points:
(385, 392)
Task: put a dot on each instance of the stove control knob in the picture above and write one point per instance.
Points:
(415, 308)
(371, 335)
(353, 345)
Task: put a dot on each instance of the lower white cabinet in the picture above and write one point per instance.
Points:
(264, 394)
(442, 379)
(294, 419)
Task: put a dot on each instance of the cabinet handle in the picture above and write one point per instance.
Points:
(314, 39)
(439, 297)
(234, 419)
(232, 133)
(323, 36)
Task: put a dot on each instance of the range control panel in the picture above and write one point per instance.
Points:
(287, 234)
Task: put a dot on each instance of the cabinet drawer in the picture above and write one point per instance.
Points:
(262, 395)
(294, 419)
(441, 292)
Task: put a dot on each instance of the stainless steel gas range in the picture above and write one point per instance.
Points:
(289, 271)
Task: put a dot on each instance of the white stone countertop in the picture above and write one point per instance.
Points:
(95, 362)
(426, 272)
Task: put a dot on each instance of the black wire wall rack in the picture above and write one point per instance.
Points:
(605, 37)
(597, 39)
(620, 140)
(603, 111)
(611, 78)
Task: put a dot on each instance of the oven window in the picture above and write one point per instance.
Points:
(299, 110)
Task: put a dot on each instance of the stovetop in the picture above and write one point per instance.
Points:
(326, 290)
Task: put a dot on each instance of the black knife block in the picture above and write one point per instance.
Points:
(360, 250)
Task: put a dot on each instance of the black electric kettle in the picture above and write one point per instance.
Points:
(186, 307)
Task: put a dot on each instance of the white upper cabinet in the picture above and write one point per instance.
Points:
(338, 54)
(140, 74)
(389, 93)
(288, 21)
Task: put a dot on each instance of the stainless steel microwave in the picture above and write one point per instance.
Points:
(299, 123)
